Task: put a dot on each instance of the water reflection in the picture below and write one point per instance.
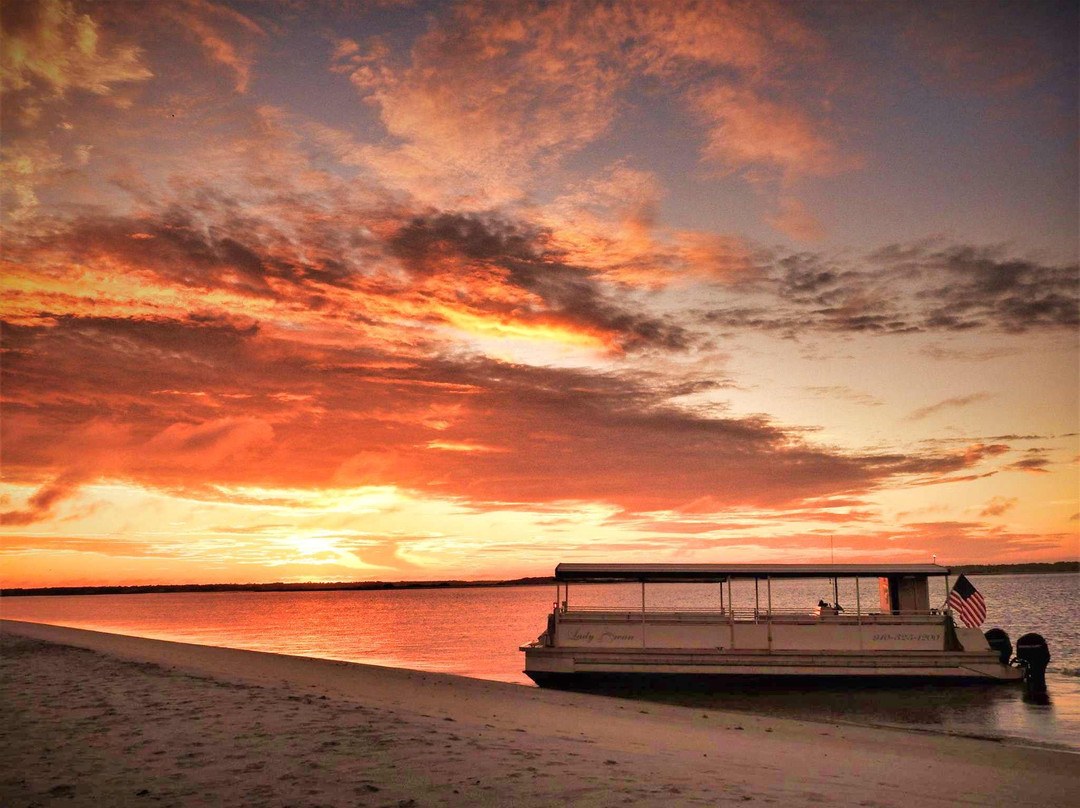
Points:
(1038, 696)
(971, 709)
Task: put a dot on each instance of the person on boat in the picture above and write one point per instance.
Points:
(824, 608)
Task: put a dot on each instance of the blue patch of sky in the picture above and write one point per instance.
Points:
(294, 66)
(656, 133)
(937, 162)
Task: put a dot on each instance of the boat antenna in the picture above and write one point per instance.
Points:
(835, 580)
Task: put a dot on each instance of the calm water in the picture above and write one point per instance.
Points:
(476, 632)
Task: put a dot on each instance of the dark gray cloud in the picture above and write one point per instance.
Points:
(221, 251)
(899, 289)
(41, 504)
(460, 245)
(1035, 461)
(482, 265)
(969, 287)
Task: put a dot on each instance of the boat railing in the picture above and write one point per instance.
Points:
(749, 615)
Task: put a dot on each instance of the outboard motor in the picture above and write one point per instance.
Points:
(1034, 654)
(999, 641)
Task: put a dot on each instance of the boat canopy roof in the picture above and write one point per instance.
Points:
(671, 573)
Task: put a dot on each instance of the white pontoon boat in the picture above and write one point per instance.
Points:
(902, 638)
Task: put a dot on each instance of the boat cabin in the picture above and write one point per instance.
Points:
(899, 596)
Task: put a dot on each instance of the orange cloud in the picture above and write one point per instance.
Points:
(208, 23)
(208, 444)
(486, 101)
(608, 223)
(748, 131)
(48, 43)
(24, 168)
(89, 386)
(42, 502)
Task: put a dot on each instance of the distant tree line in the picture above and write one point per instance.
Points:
(1017, 569)
(280, 586)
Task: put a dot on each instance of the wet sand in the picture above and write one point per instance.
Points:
(103, 719)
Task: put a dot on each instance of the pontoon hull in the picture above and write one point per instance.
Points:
(554, 666)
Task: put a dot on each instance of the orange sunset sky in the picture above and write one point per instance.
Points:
(341, 290)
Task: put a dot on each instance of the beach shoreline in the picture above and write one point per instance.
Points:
(190, 724)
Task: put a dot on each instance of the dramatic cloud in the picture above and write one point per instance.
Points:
(986, 287)
(210, 25)
(164, 403)
(48, 44)
(905, 289)
(41, 504)
(480, 274)
(489, 260)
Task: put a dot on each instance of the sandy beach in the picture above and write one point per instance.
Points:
(104, 719)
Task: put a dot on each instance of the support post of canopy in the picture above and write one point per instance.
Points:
(858, 612)
(945, 604)
(757, 606)
(642, 612)
(731, 612)
(768, 590)
(721, 597)
(566, 596)
(858, 603)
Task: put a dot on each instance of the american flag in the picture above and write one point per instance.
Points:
(965, 600)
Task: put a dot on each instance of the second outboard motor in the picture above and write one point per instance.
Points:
(999, 641)
(1034, 654)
